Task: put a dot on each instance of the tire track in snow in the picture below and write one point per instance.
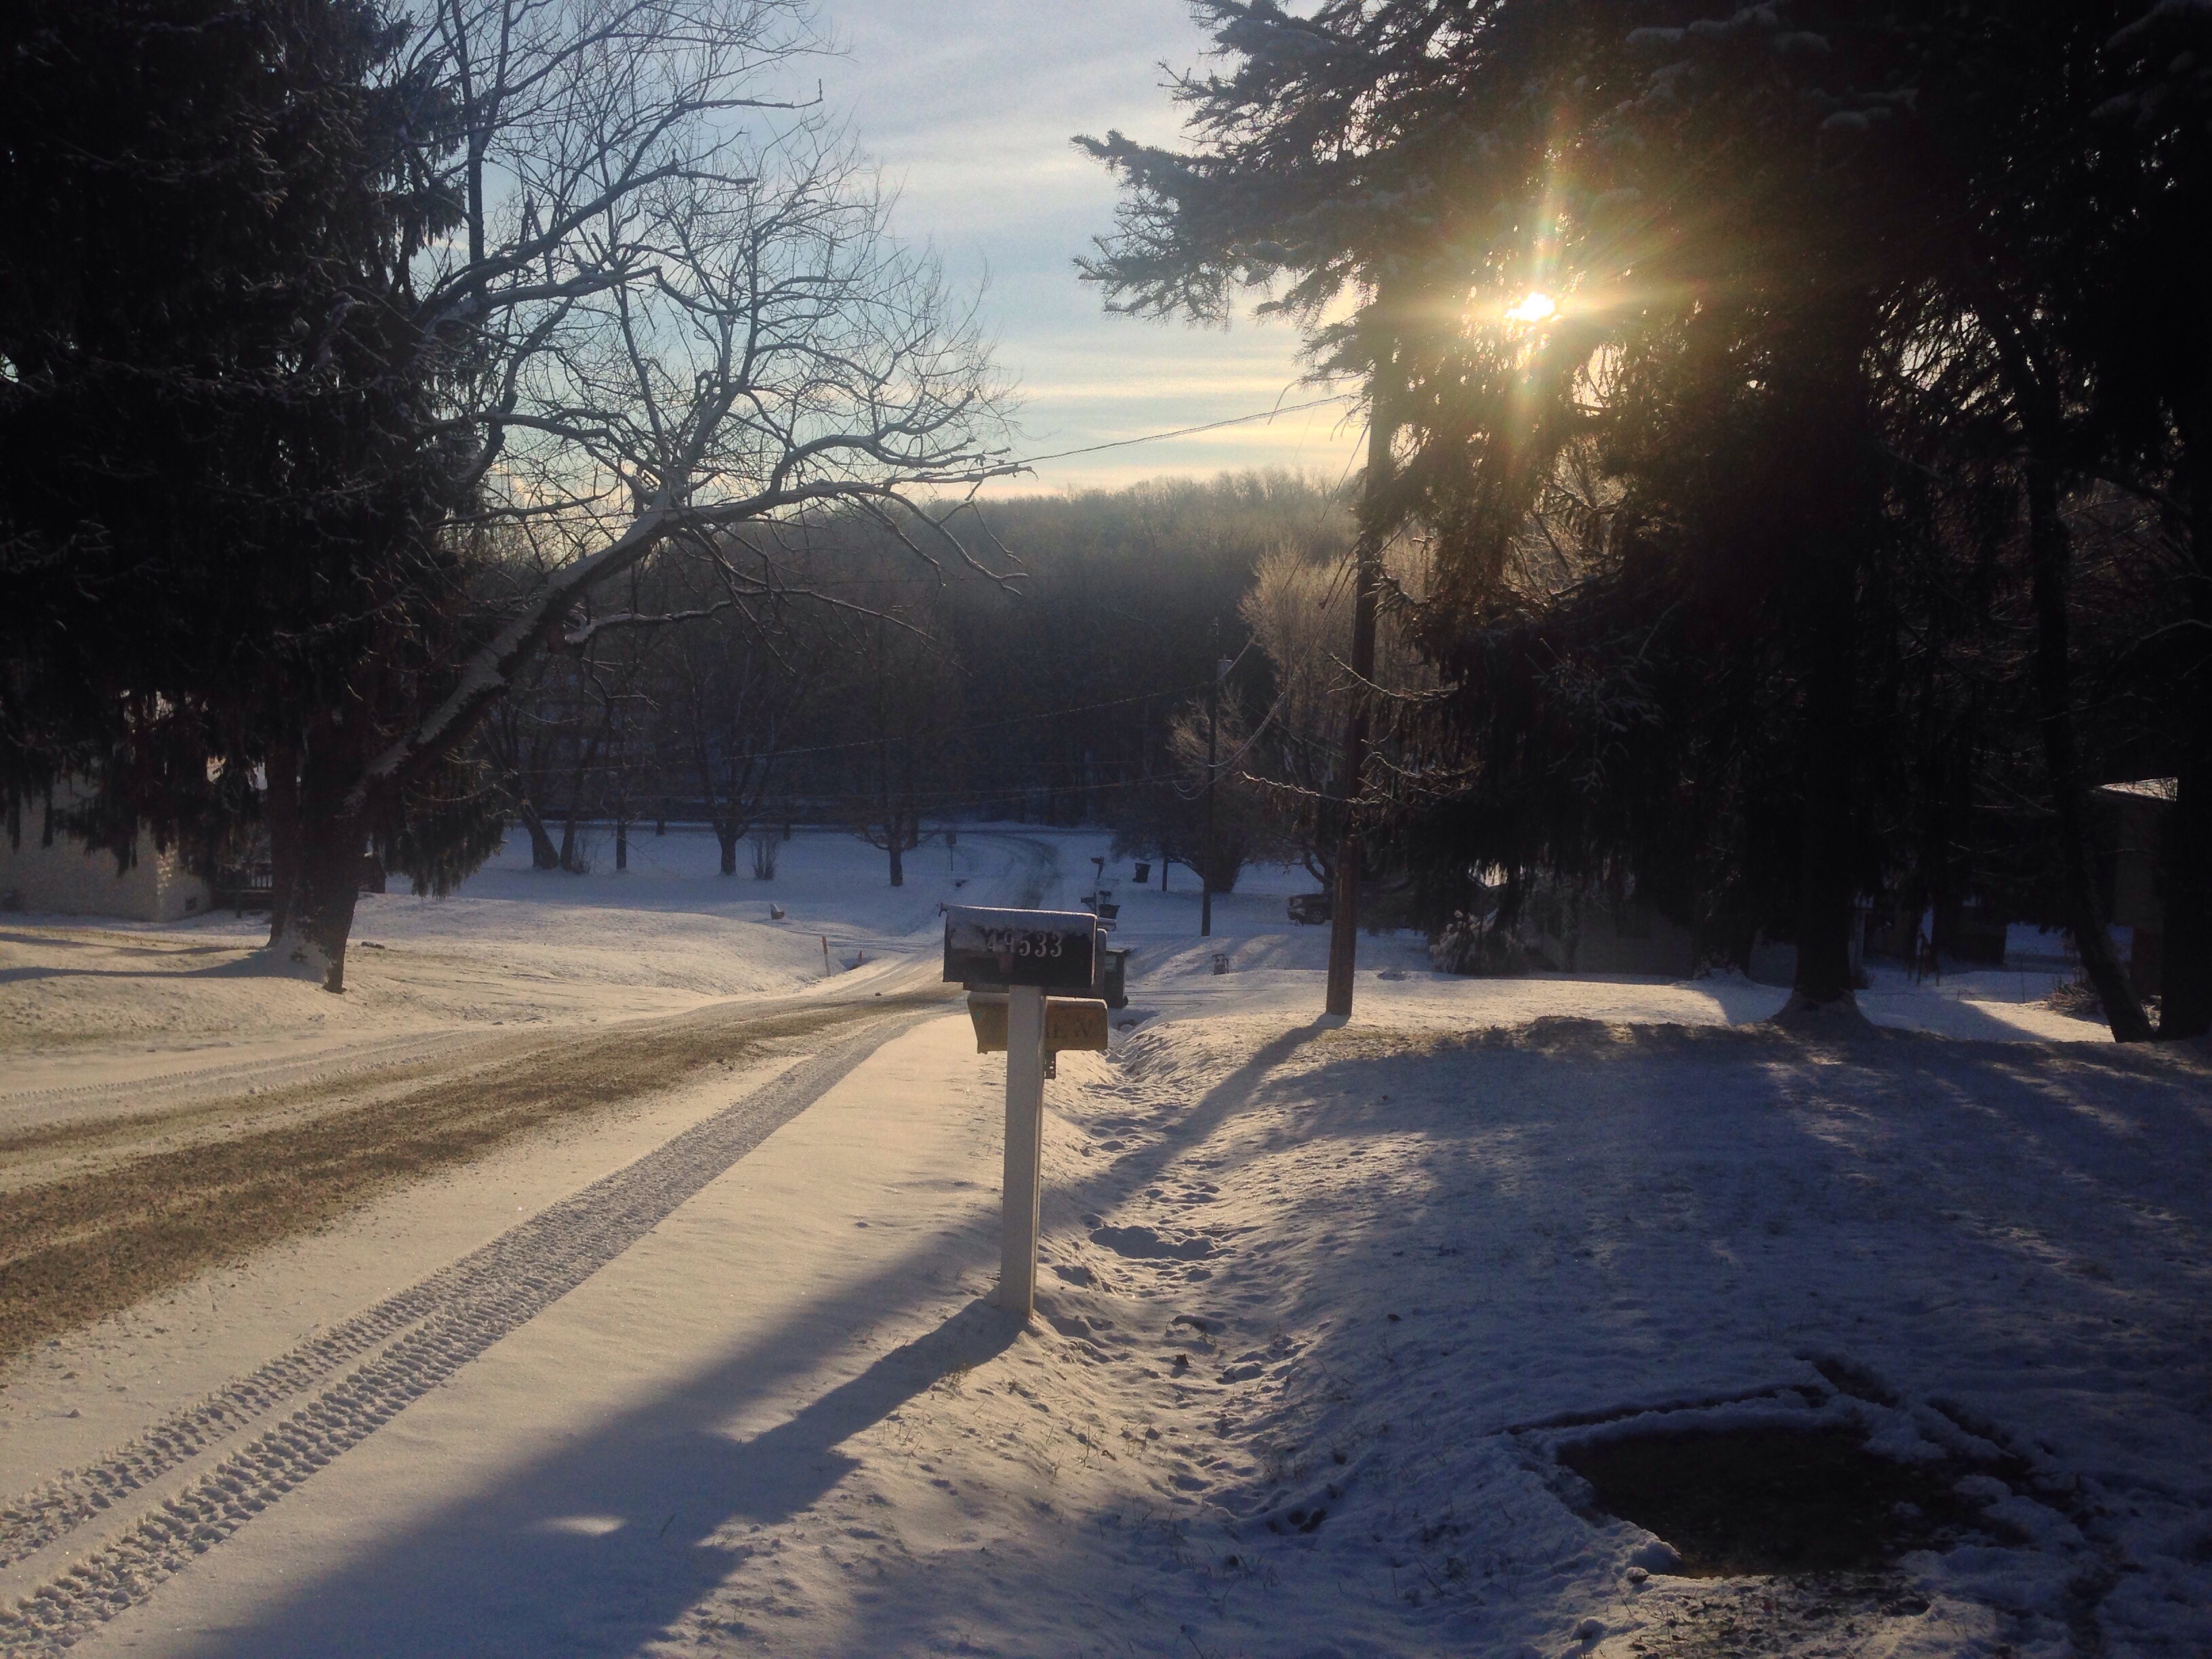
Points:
(426, 1334)
(229, 1076)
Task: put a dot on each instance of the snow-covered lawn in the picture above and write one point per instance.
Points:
(85, 1002)
(1323, 1309)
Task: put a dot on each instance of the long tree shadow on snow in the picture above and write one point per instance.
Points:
(1571, 1221)
(596, 1548)
(1887, 1191)
(1137, 1168)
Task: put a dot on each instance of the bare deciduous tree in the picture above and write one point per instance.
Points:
(671, 307)
(1299, 611)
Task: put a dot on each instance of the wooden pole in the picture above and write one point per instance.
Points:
(1212, 722)
(1343, 905)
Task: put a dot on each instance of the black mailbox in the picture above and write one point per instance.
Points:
(1114, 977)
(1054, 949)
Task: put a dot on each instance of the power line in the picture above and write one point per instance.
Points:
(1189, 431)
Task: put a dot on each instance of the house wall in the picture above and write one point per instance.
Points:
(1664, 950)
(65, 879)
(1599, 941)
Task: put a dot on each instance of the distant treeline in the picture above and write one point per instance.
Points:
(1047, 681)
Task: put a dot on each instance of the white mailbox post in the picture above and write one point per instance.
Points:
(1020, 1187)
(1009, 959)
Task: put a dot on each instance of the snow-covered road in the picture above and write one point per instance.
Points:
(192, 1480)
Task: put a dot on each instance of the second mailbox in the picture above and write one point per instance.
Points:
(1051, 948)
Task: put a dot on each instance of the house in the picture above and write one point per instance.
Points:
(1589, 931)
(55, 873)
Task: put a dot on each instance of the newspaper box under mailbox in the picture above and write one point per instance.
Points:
(1071, 1023)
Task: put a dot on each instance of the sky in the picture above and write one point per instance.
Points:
(970, 106)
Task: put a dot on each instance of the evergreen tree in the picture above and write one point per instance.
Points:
(203, 445)
(1778, 313)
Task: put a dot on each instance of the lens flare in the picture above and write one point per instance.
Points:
(1533, 308)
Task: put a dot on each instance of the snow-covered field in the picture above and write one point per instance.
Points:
(1323, 1306)
(85, 1002)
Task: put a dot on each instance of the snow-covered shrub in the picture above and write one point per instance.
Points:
(1465, 944)
(2079, 998)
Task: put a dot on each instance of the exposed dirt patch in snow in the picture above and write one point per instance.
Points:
(1764, 1500)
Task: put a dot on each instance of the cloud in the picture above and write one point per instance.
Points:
(970, 109)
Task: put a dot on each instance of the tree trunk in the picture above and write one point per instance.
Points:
(329, 885)
(622, 844)
(2049, 553)
(1828, 749)
(1367, 559)
(315, 856)
(1829, 519)
(282, 807)
(586, 758)
(2185, 975)
(726, 832)
(544, 855)
(2049, 550)
(898, 864)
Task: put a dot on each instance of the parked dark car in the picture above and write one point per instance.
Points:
(1308, 907)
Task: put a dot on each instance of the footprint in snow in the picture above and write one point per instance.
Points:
(1149, 1243)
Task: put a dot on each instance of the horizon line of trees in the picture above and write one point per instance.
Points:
(890, 702)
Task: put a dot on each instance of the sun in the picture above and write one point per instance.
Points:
(1533, 308)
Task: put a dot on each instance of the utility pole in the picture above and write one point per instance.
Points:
(1343, 905)
(1213, 726)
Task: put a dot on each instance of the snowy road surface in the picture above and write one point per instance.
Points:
(332, 1393)
(1322, 1308)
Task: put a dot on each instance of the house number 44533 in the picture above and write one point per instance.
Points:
(1007, 942)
